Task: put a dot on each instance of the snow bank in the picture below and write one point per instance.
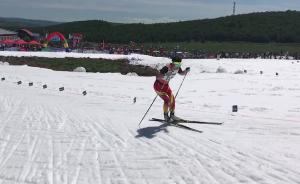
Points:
(4, 63)
(79, 69)
(221, 70)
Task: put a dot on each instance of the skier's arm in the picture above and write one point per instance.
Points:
(164, 70)
(181, 72)
(161, 73)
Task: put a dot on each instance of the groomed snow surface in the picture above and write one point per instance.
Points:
(53, 137)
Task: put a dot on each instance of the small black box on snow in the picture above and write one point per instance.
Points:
(234, 108)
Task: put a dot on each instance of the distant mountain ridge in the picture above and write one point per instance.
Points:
(18, 23)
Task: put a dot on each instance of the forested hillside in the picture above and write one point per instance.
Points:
(281, 27)
(255, 27)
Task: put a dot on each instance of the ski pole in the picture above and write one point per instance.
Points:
(180, 85)
(148, 110)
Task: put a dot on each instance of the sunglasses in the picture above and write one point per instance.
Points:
(177, 64)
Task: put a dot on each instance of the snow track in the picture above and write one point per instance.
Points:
(55, 137)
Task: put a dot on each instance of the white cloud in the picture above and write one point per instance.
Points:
(148, 20)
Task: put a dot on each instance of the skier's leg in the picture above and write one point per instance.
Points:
(166, 107)
(161, 90)
(172, 109)
(166, 100)
(172, 103)
(171, 99)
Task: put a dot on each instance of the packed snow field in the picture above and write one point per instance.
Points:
(48, 136)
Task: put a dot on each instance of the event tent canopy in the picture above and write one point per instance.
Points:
(33, 42)
(8, 42)
(20, 42)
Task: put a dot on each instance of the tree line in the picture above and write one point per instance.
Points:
(265, 27)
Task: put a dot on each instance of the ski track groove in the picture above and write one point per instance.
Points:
(156, 146)
(103, 136)
(114, 139)
(250, 159)
(51, 161)
(16, 116)
(72, 149)
(96, 129)
(65, 157)
(277, 167)
(10, 114)
(176, 142)
(145, 145)
(162, 143)
(170, 149)
(98, 168)
(232, 171)
(108, 131)
(80, 159)
(229, 171)
(187, 175)
(31, 155)
(29, 170)
(33, 145)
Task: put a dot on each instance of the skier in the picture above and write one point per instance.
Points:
(162, 88)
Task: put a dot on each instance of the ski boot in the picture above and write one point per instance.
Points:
(174, 118)
(166, 117)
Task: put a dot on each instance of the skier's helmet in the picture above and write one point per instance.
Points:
(176, 59)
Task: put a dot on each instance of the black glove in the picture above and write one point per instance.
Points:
(187, 69)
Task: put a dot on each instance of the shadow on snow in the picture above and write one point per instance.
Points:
(150, 132)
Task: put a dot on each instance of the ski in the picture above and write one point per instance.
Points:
(200, 122)
(176, 124)
(190, 121)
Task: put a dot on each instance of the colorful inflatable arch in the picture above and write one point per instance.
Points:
(56, 35)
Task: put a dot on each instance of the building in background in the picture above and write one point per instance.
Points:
(8, 35)
(27, 35)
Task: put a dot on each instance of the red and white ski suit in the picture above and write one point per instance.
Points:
(162, 88)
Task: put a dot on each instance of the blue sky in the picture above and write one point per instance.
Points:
(145, 11)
